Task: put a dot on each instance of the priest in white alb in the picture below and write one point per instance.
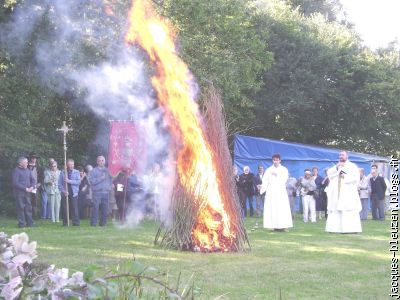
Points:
(344, 203)
(277, 213)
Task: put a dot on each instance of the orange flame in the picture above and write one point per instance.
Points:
(195, 162)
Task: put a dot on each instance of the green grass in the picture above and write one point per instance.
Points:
(305, 263)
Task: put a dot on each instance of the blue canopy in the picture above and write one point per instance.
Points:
(253, 151)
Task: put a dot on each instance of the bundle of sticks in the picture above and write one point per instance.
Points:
(187, 203)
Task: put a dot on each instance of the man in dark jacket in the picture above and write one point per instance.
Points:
(32, 166)
(319, 206)
(246, 183)
(378, 189)
(120, 191)
(23, 183)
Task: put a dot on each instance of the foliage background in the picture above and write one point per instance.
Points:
(293, 70)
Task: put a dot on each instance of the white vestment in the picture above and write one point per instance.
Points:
(277, 213)
(344, 203)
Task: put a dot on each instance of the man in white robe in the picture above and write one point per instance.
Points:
(277, 213)
(344, 203)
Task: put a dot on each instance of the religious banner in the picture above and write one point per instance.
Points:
(126, 151)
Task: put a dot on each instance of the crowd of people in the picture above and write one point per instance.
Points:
(341, 196)
(80, 193)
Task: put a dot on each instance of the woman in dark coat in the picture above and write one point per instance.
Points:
(319, 206)
(119, 183)
(324, 197)
(84, 190)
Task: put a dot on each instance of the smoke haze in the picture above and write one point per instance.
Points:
(76, 47)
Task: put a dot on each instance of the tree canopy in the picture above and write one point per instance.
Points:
(289, 70)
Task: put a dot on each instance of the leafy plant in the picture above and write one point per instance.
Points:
(21, 278)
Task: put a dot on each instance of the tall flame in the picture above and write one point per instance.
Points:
(196, 165)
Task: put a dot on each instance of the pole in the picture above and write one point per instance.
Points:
(65, 177)
(64, 129)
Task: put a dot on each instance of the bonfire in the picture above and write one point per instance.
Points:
(206, 212)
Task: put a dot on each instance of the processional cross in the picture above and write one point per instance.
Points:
(65, 129)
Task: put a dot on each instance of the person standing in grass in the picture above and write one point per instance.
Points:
(119, 184)
(378, 189)
(89, 196)
(324, 186)
(32, 166)
(84, 190)
(257, 187)
(51, 177)
(307, 190)
(23, 182)
(291, 189)
(73, 180)
(344, 203)
(136, 195)
(363, 191)
(101, 183)
(236, 178)
(246, 183)
(319, 207)
(277, 213)
(45, 202)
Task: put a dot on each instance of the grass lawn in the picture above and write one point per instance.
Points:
(305, 263)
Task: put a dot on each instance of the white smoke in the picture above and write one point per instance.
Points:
(78, 49)
(117, 89)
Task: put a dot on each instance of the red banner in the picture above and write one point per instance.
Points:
(126, 149)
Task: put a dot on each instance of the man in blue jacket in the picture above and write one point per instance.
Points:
(23, 183)
(101, 183)
(73, 180)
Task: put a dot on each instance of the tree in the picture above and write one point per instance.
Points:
(330, 9)
(323, 86)
(218, 40)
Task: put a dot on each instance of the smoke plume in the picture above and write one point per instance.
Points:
(77, 47)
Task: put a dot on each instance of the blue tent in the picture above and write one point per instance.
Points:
(253, 151)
